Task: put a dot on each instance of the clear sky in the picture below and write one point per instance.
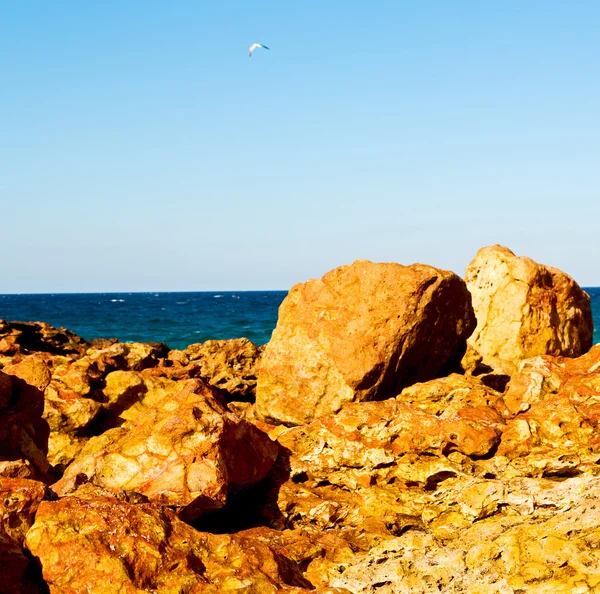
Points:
(140, 148)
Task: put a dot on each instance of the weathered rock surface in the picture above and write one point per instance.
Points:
(187, 451)
(100, 545)
(370, 470)
(371, 440)
(231, 366)
(544, 540)
(444, 397)
(525, 309)
(74, 398)
(544, 377)
(28, 337)
(19, 500)
(362, 332)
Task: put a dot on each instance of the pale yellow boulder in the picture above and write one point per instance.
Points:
(525, 309)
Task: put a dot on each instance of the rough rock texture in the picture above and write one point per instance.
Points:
(367, 440)
(546, 376)
(100, 545)
(19, 500)
(231, 366)
(525, 309)
(362, 332)
(371, 466)
(74, 399)
(27, 337)
(444, 397)
(187, 451)
(23, 433)
(544, 540)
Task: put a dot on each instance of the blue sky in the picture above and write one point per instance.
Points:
(140, 148)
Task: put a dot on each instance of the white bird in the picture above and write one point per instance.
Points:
(255, 46)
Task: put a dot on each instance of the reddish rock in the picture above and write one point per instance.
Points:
(187, 451)
(19, 500)
(371, 440)
(525, 309)
(100, 545)
(23, 433)
(445, 397)
(33, 370)
(231, 366)
(30, 337)
(362, 332)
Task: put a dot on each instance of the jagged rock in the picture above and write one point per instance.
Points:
(525, 309)
(23, 433)
(544, 377)
(369, 441)
(75, 400)
(444, 397)
(188, 451)
(100, 544)
(544, 541)
(133, 356)
(29, 337)
(33, 370)
(19, 500)
(362, 332)
(228, 365)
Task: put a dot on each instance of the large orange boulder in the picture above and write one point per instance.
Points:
(525, 309)
(187, 451)
(362, 332)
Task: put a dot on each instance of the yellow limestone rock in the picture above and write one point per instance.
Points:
(525, 309)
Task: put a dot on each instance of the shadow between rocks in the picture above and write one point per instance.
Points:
(250, 508)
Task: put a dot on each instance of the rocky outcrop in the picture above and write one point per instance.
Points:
(19, 500)
(74, 398)
(23, 433)
(97, 543)
(445, 397)
(539, 378)
(525, 309)
(188, 451)
(543, 542)
(362, 332)
(231, 366)
(22, 338)
(418, 465)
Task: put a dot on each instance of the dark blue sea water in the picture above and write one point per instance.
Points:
(178, 319)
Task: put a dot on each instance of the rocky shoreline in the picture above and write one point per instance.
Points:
(405, 430)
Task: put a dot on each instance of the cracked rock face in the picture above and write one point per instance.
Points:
(525, 309)
(362, 332)
(545, 540)
(19, 500)
(97, 543)
(188, 451)
(230, 366)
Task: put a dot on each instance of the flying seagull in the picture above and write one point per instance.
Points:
(255, 46)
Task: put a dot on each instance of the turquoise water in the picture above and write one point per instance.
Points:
(178, 319)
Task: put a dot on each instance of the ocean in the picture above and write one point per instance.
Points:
(177, 319)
